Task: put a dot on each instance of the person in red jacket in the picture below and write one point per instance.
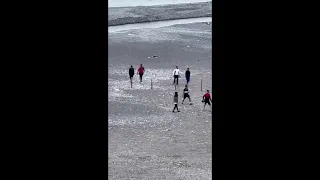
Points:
(206, 99)
(140, 72)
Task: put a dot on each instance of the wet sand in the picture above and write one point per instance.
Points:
(147, 140)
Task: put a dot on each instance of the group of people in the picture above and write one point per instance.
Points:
(140, 72)
(206, 99)
(176, 74)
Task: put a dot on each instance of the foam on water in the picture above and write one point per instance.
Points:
(156, 24)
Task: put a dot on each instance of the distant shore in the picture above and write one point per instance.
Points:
(141, 14)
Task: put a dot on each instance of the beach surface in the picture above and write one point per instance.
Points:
(145, 139)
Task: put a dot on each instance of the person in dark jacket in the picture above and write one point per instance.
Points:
(131, 72)
(187, 75)
(175, 100)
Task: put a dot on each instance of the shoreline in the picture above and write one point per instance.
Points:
(144, 14)
(157, 24)
(130, 3)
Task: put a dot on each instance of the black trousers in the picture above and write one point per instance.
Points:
(207, 101)
(186, 96)
(175, 77)
(188, 79)
(140, 74)
(175, 107)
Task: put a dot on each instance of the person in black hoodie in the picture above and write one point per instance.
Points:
(131, 72)
(175, 100)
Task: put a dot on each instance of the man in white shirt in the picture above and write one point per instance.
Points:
(176, 75)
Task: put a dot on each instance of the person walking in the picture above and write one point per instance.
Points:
(206, 99)
(187, 75)
(140, 72)
(176, 75)
(131, 72)
(175, 100)
(186, 94)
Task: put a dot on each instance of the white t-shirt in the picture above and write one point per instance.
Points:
(176, 72)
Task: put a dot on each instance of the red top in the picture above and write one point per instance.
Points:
(141, 69)
(207, 96)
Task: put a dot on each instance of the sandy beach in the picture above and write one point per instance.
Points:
(147, 140)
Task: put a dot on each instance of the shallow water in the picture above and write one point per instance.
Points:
(126, 3)
(157, 24)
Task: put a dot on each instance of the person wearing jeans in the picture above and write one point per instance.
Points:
(176, 75)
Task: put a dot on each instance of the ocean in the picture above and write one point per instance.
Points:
(124, 3)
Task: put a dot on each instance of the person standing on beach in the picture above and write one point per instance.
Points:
(131, 72)
(140, 72)
(186, 94)
(206, 99)
(188, 75)
(175, 100)
(176, 75)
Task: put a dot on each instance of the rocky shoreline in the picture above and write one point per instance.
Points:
(141, 14)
